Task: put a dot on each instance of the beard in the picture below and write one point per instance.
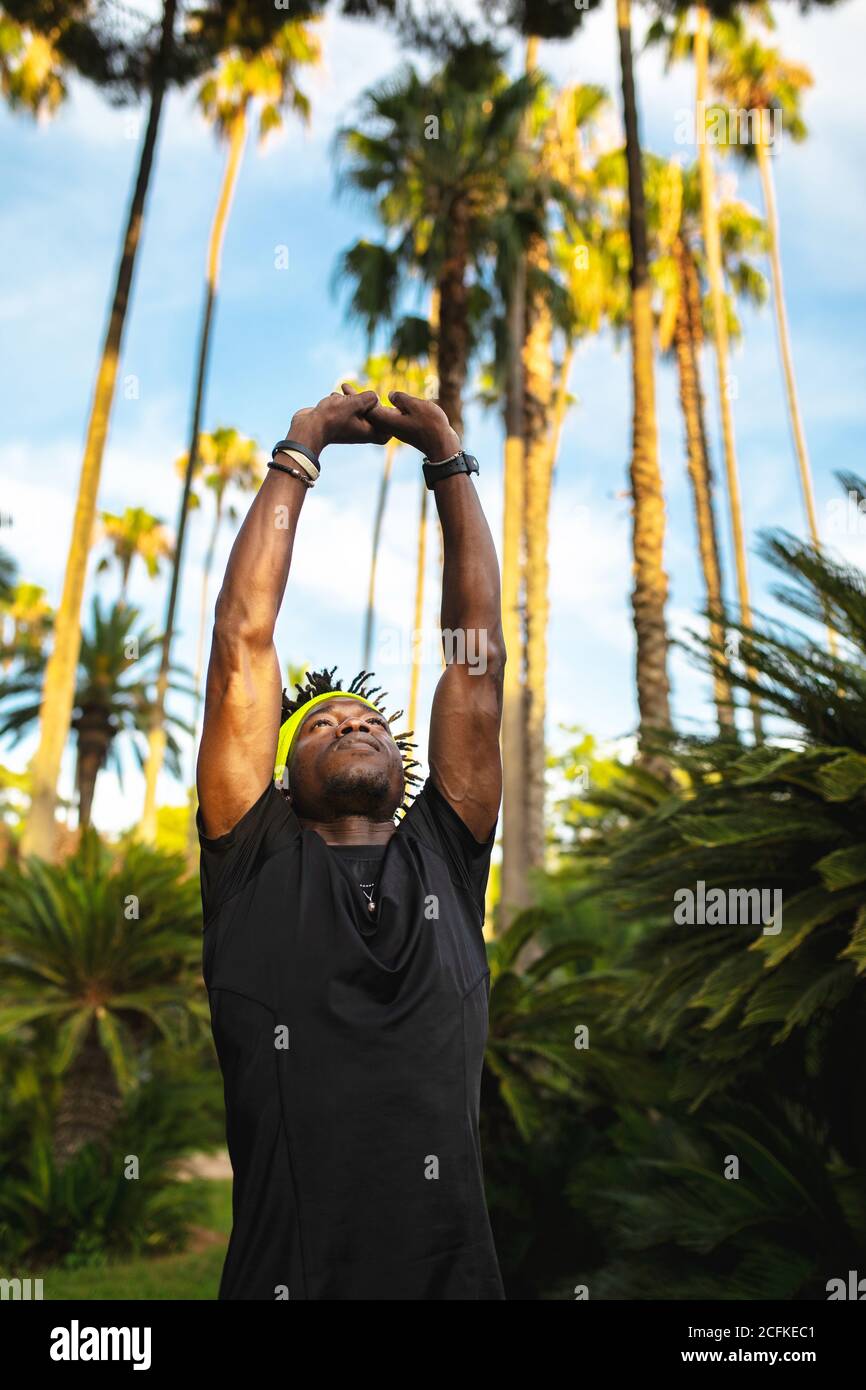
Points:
(359, 790)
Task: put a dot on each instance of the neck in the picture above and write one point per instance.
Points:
(352, 830)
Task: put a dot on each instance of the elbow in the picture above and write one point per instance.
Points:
(237, 625)
(496, 655)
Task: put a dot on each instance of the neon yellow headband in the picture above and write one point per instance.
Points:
(289, 730)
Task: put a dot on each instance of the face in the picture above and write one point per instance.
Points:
(345, 762)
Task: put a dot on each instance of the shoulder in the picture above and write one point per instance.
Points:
(431, 811)
(432, 820)
(229, 861)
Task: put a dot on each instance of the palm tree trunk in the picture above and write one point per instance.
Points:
(649, 595)
(90, 1102)
(156, 738)
(538, 473)
(514, 893)
(390, 451)
(59, 688)
(418, 622)
(713, 251)
(686, 340)
(799, 434)
(94, 740)
(453, 334)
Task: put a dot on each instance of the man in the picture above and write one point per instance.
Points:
(343, 953)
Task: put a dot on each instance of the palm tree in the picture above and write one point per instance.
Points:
(27, 622)
(515, 252)
(561, 127)
(31, 69)
(684, 329)
(134, 534)
(566, 296)
(98, 976)
(523, 374)
(60, 673)
(648, 515)
(266, 79)
(750, 77)
(441, 158)
(679, 267)
(438, 157)
(715, 272)
(113, 697)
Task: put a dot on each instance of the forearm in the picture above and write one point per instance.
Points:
(258, 568)
(471, 599)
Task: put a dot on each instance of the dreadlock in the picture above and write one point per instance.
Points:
(323, 682)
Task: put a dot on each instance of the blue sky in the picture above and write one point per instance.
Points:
(282, 341)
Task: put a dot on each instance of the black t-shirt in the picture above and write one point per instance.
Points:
(363, 863)
(351, 1045)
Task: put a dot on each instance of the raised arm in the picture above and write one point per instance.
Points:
(465, 763)
(244, 682)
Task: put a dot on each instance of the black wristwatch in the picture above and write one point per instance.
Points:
(458, 463)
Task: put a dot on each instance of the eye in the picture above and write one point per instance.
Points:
(323, 720)
(377, 721)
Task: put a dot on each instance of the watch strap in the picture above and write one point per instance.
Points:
(293, 447)
(458, 463)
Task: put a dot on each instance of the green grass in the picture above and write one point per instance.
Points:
(194, 1274)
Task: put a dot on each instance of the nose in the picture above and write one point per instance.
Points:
(354, 724)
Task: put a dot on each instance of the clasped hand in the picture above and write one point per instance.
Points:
(358, 417)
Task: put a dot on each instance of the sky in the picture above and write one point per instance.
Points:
(282, 340)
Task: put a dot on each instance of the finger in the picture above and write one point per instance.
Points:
(402, 401)
(364, 400)
(348, 390)
(382, 418)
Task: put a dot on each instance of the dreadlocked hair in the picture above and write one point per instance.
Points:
(323, 682)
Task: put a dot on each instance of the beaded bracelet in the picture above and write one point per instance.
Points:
(293, 472)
